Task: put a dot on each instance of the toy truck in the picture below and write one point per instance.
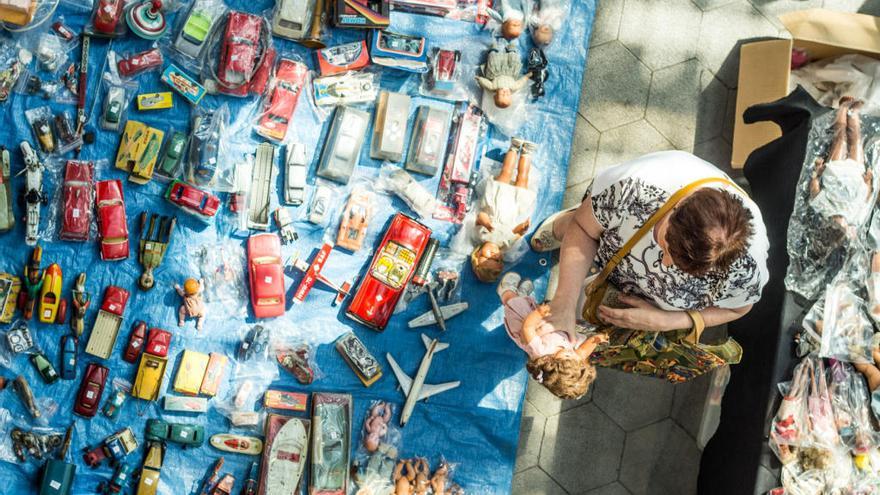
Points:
(106, 328)
(151, 370)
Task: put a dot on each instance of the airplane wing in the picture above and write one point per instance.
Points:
(429, 390)
(402, 378)
(448, 311)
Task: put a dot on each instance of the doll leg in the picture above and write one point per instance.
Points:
(871, 372)
(815, 182)
(839, 146)
(509, 164)
(854, 133)
(199, 321)
(523, 169)
(181, 315)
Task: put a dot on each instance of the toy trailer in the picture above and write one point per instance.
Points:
(261, 186)
(106, 328)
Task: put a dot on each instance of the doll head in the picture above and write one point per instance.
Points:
(565, 374)
(487, 262)
(191, 286)
(502, 97)
(146, 280)
(511, 28)
(542, 34)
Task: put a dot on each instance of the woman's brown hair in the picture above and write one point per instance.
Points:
(708, 230)
(564, 378)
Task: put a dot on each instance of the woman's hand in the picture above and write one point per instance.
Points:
(643, 315)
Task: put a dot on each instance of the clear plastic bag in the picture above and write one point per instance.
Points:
(850, 401)
(355, 218)
(393, 179)
(189, 43)
(71, 216)
(294, 353)
(130, 65)
(822, 426)
(240, 55)
(280, 101)
(117, 97)
(345, 89)
(376, 455)
(790, 428)
(847, 332)
(545, 18)
(11, 68)
(830, 211)
(444, 78)
(221, 268)
(207, 163)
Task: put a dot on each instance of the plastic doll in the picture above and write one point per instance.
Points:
(193, 305)
(504, 211)
(511, 15)
(872, 376)
(404, 475)
(545, 19)
(557, 360)
(423, 473)
(33, 282)
(376, 425)
(874, 287)
(841, 186)
(502, 73)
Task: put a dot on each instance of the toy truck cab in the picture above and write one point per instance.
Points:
(106, 328)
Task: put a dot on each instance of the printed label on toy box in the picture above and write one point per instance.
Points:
(55, 485)
(183, 84)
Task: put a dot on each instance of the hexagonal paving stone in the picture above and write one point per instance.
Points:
(656, 46)
(774, 8)
(686, 104)
(548, 404)
(583, 152)
(871, 8)
(535, 482)
(688, 401)
(720, 34)
(531, 432)
(615, 87)
(606, 24)
(574, 194)
(612, 489)
(581, 449)
(730, 116)
(711, 4)
(647, 469)
(627, 142)
(632, 401)
(717, 152)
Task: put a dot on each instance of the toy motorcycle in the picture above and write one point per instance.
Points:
(34, 196)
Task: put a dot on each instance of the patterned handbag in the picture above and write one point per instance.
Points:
(667, 355)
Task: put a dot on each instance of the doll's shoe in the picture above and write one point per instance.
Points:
(529, 147)
(509, 282)
(525, 288)
(516, 143)
(543, 239)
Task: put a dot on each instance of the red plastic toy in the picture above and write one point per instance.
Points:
(112, 222)
(192, 199)
(77, 192)
(390, 271)
(135, 342)
(241, 70)
(139, 62)
(289, 81)
(266, 275)
(107, 16)
(90, 390)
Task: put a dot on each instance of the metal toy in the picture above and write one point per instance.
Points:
(285, 225)
(81, 300)
(146, 19)
(7, 215)
(416, 389)
(24, 392)
(33, 282)
(36, 445)
(34, 196)
(312, 273)
(155, 237)
(57, 473)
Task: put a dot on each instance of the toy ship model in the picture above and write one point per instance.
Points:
(284, 456)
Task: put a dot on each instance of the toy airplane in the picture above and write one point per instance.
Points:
(416, 389)
(430, 317)
(312, 274)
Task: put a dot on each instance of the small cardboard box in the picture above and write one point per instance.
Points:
(191, 372)
(765, 66)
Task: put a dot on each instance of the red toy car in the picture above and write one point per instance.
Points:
(390, 271)
(244, 43)
(107, 15)
(289, 81)
(140, 62)
(77, 192)
(112, 222)
(266, 275)
(90, 390)
(192, 199)
(135, 342)
(158, 342)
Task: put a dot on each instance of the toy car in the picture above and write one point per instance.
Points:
(112, 223)
(196, 201)
(399, 51)
(428, 146)
(111, 117)
(53, 308)
(292, 18)
(254, 343)
(115, 447)
(295, 173)
(343, 89)
(140, 62)
(106, 18)
(77, 191)
(444, 70)
(343, 58)
(266, 275)
(389, 126)
(204, 148)
(44, 368)
(68, 357)
(198, 25)
(320, 204)
(135, 342)
(161, 431)
(106, 329)
(391, 270)
(169, 166)
(355, 220)
(243, 47)
(151, 370)
(290, 77)
(90, 390)
(343, 147)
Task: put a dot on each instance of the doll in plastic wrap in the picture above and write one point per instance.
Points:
(545, 19)
(511, 14)
(504, 211)
(872, 376)
(502, 73)
(841, 186)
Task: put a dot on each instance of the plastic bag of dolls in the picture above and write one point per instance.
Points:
(835, 194)
(809, 338)
(222, 271)
(822, 427)
(376, 455)
(851, 404)
(846, 331)
(790, 427)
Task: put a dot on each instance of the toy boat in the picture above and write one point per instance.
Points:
(296, 361)
(237, 444)
(331, 444)
(287, 443)
(52, 307)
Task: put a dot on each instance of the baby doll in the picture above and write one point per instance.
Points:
(557, 360)
(502, 73)
(545, 19)
(841, 187)
(511, 16)
(376, 425)
(872, 376)
(504, 213)
(193, 305)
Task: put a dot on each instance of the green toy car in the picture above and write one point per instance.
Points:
(44, 368)
(169, 165)
(183, 434)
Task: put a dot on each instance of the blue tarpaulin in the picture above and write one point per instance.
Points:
(474, 426)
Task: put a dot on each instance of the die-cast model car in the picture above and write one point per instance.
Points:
(266, 274)
(112, 222)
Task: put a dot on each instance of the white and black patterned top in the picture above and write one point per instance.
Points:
(625, 196)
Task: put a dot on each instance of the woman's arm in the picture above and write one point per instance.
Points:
(576, 256)
(645, 316)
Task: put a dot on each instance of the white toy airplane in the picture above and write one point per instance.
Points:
(447, 312)
(416, 389)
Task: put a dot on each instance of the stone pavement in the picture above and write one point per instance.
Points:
(661, 74)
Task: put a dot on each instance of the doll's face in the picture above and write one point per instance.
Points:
(511, 28)
(488, 262)
(542, 34)
(502, 98)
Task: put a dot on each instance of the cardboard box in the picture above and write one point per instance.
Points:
(191, 372)
(765, 66)
(213, 374)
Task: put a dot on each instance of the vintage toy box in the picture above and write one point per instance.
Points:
(343, 58)
(191, 372)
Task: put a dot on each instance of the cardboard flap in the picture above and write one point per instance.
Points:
(827, 33)
(763, 77)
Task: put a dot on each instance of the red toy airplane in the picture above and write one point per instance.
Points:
(312, 274)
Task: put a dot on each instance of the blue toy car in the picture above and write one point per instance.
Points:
(68, 357)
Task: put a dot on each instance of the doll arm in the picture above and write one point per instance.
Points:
(486, 84)
(520, 83)
(483, 220)
(522, 228)
(588, 346)
(179, 290)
